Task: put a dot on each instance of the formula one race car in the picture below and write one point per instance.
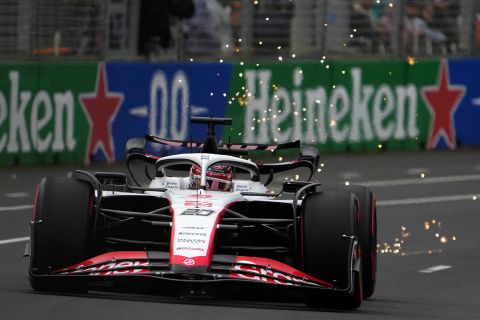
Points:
(204, 223)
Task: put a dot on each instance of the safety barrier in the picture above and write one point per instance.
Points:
(84, 112)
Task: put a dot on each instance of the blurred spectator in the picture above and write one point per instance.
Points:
(235, 10)
(367, 33)
(424, 27)
(382, 16)
(155, 23)
(387, 23)
(445, 18)
(209, 29)
(409, 31)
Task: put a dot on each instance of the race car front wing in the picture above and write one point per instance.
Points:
(153, 268)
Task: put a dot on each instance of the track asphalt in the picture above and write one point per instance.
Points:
(428, 235)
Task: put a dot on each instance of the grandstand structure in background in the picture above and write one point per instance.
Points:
(234, 30)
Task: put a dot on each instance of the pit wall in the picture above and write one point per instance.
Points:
(84, 112)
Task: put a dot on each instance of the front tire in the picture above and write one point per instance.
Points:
(368, 237)
(328, 217)
(60, 230)
(367, 234)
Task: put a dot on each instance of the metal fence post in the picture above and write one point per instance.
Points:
(246, 29)
(106, 13)
(473, 28)
(32, 32)
(180, 40)
(397, 36)
(323, 27)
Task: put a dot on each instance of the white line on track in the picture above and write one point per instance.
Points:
(429, 180)
(14, 240)
(435, 269)
(417, 171)
(15, 208)
(350, 175)
(423, 252)
(16, 195)
(458, 197)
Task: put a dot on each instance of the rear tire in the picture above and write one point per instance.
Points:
(326, 217)
(60, 231)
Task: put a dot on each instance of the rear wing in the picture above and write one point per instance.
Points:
(227, 146)
(308, 156)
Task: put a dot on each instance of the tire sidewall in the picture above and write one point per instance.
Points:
(61, 227)
(367, 233)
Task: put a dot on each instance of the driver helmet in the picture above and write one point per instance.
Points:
(219, 177)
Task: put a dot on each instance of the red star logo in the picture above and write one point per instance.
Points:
(100, 108)
(442, 101)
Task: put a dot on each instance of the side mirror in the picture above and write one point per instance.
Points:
(310, 154)
(135, 145)
(294, 186)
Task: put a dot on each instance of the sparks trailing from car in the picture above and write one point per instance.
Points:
(205, 222)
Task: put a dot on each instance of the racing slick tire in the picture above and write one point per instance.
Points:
(327, 217)
(368, 237)
(367, 234)
(60, 231)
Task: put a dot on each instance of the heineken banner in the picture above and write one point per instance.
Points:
(86, 112)
(358, 106)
